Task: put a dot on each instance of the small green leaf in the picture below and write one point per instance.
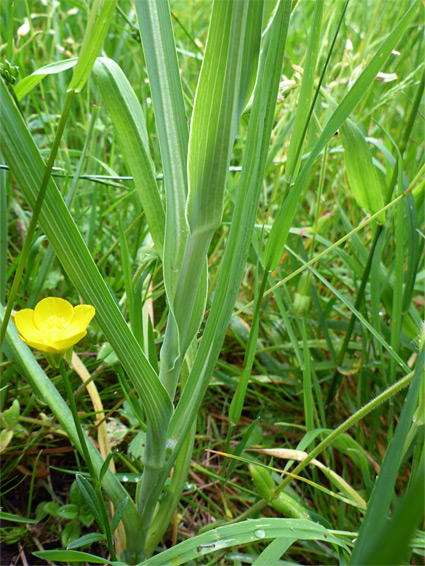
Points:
(86, 540)
(68, 511)
(118, 515)
(106, 354)
(70, 556)
(71, 532)
(89, 494)
(28, 83)
(14, 518)
(11, 415)
(52, 508)
(6, 436)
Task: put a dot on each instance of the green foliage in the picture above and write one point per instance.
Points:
(211, 139)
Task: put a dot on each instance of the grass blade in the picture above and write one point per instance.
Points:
(96, 30)
(70, 556)
(274, 551)
(128, 117)
(242, 533)
(28, 83)
(170, 117)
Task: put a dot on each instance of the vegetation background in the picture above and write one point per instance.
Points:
(295, 396)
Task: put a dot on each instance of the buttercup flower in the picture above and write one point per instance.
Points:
(54, 326)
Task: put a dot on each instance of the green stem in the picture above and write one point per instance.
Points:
(165, 512)
(150, 488)
(81, 435)
(35, 214)
(236, 405)
(358, 415)
(84, 448)
(353, 318)
(177, 337)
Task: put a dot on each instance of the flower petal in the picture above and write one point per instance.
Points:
(24, 322)
(67, 342)
(82, 317)
(40, 345)
(52, 307)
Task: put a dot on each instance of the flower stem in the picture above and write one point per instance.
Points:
(85, 452)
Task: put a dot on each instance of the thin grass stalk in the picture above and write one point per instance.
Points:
(35, 214)
(50, 254)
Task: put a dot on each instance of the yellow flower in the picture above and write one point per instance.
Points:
(54, 325)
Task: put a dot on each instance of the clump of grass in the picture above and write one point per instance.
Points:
(215, 376)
